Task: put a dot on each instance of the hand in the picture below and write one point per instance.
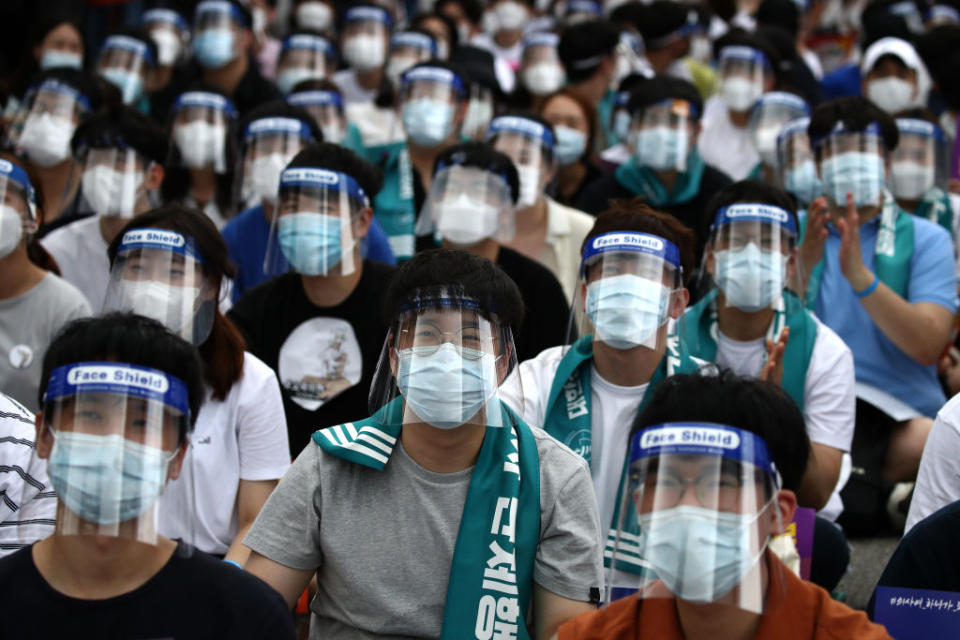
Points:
(773, 370)
(851, 258)
(954, 186)
(811, 250)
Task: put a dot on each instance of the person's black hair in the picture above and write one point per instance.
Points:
(878, 21)
(663, 18)
(632, 80)
(130, 339)
(480, 65)
(793, 74)
(584, 46)
(316, 84)
(137, 33)
(122, 126)
(454, 37)
(47, 22)
(278, 108)
(333, 157)
(482, 156)
(752, 191)
(525, 114)
(779, 13)
(760, 407)
(664, 87)
(946, 79)
(856, 113)
(629, 15)
(935, 47)
(467, 274)
(739, 37)
(472, 9)
(82, 81)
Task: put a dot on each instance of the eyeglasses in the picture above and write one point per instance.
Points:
(719, 493)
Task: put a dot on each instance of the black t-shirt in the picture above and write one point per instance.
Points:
(593, 174)
(193, 596)
(548, 314)
(324, 357)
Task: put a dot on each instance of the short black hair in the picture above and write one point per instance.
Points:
(482, 156)
(468, 274)
(448, 23)
(49, 21)
(662, 19)
(856, 113)
(137, 33)
(472, 9)
(664, 87)
(82, 81)
(584, 46)
(779, 13)
(131, 339)
(333, 157)
(752, 191)
(878, 20)
(935, 48)
(278, 108)
(760, 407)
(630, 14)
(120, 126)
(739, 37)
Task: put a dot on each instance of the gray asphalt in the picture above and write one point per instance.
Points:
(868, 557)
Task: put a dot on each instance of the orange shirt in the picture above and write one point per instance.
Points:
(800, 610)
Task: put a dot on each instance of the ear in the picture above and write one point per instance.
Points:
(154, 177)
(710, 260)
(37, 53)
(678, 302)
(460, 115)
(394, 360)
(770, 82)
(176, 465)
(44, 436)
(244, 40)
(361, 226)
(787, 503)
(696, 128)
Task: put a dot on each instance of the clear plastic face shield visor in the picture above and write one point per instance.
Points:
(118, 436)
(408, 48)
(698, 510)
(158, 273)
(315, 228)
(630, 58)
(940, 14)
(480, 110)
(852, 162)
(540, 68)
(467, 205)
(269, 146)
(113, 179)
(769, 115)
(630, 287)
(530, 146)
(796, 167)
(743, 73)
(751, 260)
(41, 129)
(125, 62)
(304, 57)
(442, 364)
(170, 32)
(326, 108)
(18, 207)
(364, 38)
(200, 129)
(429, 99)
(662, 135)
(921, 160)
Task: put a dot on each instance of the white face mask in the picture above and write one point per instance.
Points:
(168, 46)
(478, 117)
(529, 186)
(169, 305)
(365, 52)
(765, 140)
(315, 16)
(543, 78)
(891, 94)
(466, 221)
(263, 179)
(11, 230)
(46, 139)
(201, 145)
(511, 15)
(111, 193)
(910, 180)
(948, 122)
(738, 93)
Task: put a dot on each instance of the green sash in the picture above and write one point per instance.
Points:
(892, 255)
(644, 182)
(491, 575)
(700, 336)
(936, 208)
(393, 206)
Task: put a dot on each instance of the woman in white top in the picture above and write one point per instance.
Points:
(170, 264)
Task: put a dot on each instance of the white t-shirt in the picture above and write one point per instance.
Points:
(350, 89)
(829, 392)
(81, 254)
(724, 146)
(243, 437)
(377, 125)
(938, 480)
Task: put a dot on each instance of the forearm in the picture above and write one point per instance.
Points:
(820, 477)
(238, 552)
(916, 330)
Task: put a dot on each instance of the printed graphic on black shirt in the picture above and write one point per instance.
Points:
(319, 360)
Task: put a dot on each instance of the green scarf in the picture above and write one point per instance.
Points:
(393, 205)
(936, 208)
(644, 182)
(892, 255)
(700, 335)
(569, 421)
(491, 575)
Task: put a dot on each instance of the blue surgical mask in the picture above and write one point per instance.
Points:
(129, 83)
(310, 242)
(803, 182)
(570, 145)
(445, 389)
(626, 310)
(53, 59)
(214, 48)
(662, 148)
(861, 174)
(751, 278)
(428, 122)
(106, 479)
(700, 554)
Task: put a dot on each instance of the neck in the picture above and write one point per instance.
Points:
(593, 88)
(423, 159)
(667, 178)
(161, 78)
(742, 325)
(626, 367)
(443, 450)
(908, 205)
(506, 39)
(739, 118)
(19, 274)
(723, 619)
(660, 60)
(227, 77)
(331, 290)
(203, 185)
(532, 220)
(111, 226)
(487, 248)
(570, 177)
(59, 184)
(371, 79)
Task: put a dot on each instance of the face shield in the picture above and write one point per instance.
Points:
(113, 181)
(941, 14)
(269, 146)
(408, 48)
(124, 62)
(630, 59)
(315, 226)
(429, 97)
(852, 162)
(743, 73)
(326, 107)
(18, 207)
(771, 112)
(170, 32)
(43, 126)
(620, 119)
(751, 259)
(921, 160)
(216, 28)
(158, 273)
(530, 146)
(304, 57)
(200, 127)
(577, 11)
(119, 432)
(796, 167)
(480, 109)
(365, 36)
(696, 519)
(442, 364)
(467, 205)
(630, 286)
(661, 135)
(540, 68)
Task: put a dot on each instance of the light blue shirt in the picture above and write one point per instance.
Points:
(877, 360)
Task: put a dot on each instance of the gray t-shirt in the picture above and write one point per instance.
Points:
(27, 325)
(382, 541)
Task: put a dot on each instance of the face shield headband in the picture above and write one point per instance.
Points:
(735, 53)
(434, 75)
(634, 242)
(13, 173)
(763, 213)
(414, 40)
(126, 43)
(528, 128)
(166, 16)
(311, 43)
(278, 125)
(376, 14)
(316, 98)
(206, 100)
(220, 7)
(324, 179)
(55, 86)
(872, 129)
